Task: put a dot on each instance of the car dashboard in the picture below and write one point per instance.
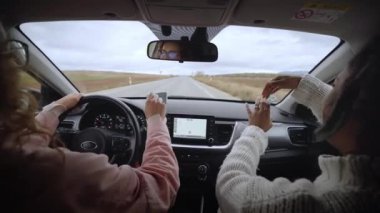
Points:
(203, 132)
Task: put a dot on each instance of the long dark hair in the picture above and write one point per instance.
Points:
(360, 99)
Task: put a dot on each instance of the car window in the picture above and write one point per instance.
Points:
(28, 82)
(109, 57)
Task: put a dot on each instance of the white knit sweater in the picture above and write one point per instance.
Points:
(346, 184)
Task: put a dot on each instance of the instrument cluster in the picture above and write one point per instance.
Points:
(111, 122)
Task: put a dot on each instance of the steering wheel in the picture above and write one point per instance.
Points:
(122, 148)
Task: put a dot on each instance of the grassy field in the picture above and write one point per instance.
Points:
(242, 86)
(245, 86)
(90, 81)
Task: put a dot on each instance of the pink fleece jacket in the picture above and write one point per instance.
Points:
(91, 184)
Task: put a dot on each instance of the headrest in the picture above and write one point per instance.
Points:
(3, 34)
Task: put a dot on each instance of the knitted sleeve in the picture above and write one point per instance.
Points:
(239, 189)
(311, 92)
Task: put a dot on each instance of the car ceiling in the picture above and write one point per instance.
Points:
(360, 20)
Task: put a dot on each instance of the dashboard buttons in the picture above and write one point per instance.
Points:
(120, 144)
(202, 169)
(202, 172)
(129, 127)
(211, 141)
(189, 157)
(141, 120)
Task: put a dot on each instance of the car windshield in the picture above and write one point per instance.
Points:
(110, 57)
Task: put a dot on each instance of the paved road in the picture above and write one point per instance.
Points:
(176, 86)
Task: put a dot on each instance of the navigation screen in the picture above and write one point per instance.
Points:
(190, 128)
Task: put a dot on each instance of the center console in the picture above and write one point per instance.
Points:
(194, 139)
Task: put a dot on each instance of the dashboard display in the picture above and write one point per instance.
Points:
(190, 128)
(111, 122)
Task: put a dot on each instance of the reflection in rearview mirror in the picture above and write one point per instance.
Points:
(175, 50)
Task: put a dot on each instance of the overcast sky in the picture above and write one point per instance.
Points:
(121, 46)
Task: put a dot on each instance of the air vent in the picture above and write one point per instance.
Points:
(299, 135)
(66, 125)
(223, 133)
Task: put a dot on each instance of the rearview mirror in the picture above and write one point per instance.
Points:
(175, 50)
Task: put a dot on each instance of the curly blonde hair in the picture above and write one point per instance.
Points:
(30, 179)
(17, 107)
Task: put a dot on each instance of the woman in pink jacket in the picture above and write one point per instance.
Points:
(37, 175)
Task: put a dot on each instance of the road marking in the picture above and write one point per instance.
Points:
(202, 88)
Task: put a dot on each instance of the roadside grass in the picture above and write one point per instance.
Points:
(91, 81)
(247, 86)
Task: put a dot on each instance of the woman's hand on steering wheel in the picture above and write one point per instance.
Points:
(70, 100)
(123, 147)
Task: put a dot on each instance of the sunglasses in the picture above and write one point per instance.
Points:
(18, 50)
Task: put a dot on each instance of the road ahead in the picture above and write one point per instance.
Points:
(176, 86)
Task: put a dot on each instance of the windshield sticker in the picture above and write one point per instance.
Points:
(321, 12)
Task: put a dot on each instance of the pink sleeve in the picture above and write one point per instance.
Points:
(150, 188)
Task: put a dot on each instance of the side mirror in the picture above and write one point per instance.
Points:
(175, 50)
(19, 51)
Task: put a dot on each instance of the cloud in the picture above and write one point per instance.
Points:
(121, 46)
